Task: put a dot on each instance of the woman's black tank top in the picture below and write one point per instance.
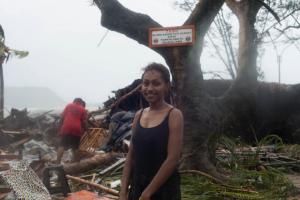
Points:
(149, 152)
(150, 146)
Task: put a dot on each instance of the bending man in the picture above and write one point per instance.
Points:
(74, 124)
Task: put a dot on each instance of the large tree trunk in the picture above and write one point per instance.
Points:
(185, 68)
(239, 102)
(237, 110)
(196, 106)
(246, 12)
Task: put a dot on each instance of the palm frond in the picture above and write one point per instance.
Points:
(1, 33)
(19, 54)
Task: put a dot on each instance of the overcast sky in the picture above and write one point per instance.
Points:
(62, 38)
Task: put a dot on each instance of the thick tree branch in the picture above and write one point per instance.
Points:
(246, 11)
(275, 15)
(202, 17)
(184, 62)
(283, 18)
(134, 25)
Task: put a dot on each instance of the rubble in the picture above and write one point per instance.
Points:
(104, 147)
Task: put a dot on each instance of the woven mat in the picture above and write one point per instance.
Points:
(24, 182)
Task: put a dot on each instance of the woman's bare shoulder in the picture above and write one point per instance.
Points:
(176, 113)
(138, 113)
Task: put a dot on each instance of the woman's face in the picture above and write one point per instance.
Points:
(154, 88)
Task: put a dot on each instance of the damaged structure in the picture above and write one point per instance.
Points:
(28, 146)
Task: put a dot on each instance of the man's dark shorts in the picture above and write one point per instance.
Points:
(69, 141)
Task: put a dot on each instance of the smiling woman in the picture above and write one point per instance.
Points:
(156, 82)
(151, 163)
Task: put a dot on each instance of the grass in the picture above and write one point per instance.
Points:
(245, 181)
(245, 185)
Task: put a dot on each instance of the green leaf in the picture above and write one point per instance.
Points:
(1, 33)
(20, 54)
(2, 49)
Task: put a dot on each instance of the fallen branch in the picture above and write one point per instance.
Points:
(42, 115)
(215, 180)
(282, 163)
(95, 185)
(203, 174)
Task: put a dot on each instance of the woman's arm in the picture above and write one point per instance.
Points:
(128, 164)
(174, 151)
(126, 175)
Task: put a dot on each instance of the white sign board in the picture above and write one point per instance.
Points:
(171, 36)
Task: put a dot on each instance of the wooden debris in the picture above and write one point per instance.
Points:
(122, 98)
(95, 185)
(92, 139)
(10, 156)
(114, 184)
(90, 163)
(4, 166)
(15, 145)
(113, 166)
(3, 195)
(111, 197)
(12, 132)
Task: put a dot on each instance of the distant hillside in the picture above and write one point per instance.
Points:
(32, 97)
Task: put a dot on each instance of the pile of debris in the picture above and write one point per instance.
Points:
(28, 147)
(33, 138)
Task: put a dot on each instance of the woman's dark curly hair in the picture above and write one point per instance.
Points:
(165, 74)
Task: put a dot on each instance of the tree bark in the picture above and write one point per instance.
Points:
(204, 116)
(246, 12)
(185, 68)
(134, 25)
(239, 102)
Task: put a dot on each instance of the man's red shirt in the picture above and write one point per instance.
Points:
(73, 116)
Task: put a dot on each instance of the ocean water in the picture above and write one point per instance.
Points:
(33, 112)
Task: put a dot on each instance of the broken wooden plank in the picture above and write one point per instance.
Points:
(15, 145)
(95, 185)
(90, 163)
(113, 166)
(10, 157)
(111, 196)
(12, 132)
(42, 115)
(4, 166)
